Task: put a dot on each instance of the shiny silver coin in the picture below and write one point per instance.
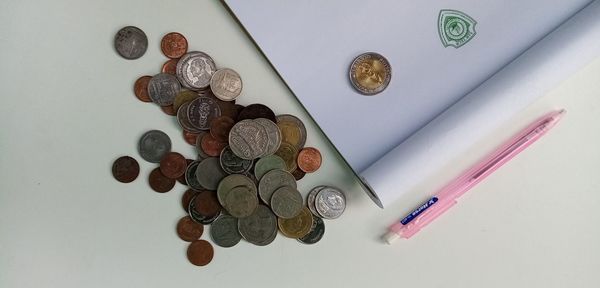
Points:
(224, 231)
(292, 129)
(131, 42)
(209, 173)
(232, 164)
(232, 181)
(153, 145)
(272, 181)
(268, 163)
(163, 88)
(248, 139)
(241, 202)
(330, 203)
(195, 69)
(190, 176)
(286, 202)
(184, 120)
(370, 73)
(316, 232)
(310, 200)
(226, 84)
(202, 111)
(260, 228)
(273, 136)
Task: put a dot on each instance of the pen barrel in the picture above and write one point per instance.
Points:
(411, 228)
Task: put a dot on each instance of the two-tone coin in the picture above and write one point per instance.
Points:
(289, 154)
(297, 226)
(292, 129)
(316, 232)
(370, 73)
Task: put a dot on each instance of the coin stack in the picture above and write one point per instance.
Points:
(243, 181)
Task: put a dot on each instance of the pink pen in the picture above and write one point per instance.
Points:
(446, 197)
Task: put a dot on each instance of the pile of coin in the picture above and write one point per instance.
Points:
(243, 181)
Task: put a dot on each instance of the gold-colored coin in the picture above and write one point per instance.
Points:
(289, 154)
(292, 130)
(183, 97)
(370, 73)
(296, 227)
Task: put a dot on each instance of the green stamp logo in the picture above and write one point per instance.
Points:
(456, 28)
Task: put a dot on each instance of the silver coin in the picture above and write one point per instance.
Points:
(248, 139)
(184, 120)
(153, 145)
(131, 42)
(202, 111)
(310, 200)
(163, 88)
(268, 163)
(190, 176)
(209, 173)
(240, 202)
(232, 164)
(370, 73)
(195, 69)
(295, 133)
(201, 153)
(224, 231)
(316, 232)
(226, 84)
(286, 202)
(272, 181)
(260, 227)
(330, 203)
(232, 181)
(273, 135)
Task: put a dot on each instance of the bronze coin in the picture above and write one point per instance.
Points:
(188, 230)
(159, 182)
(228, 109)
(174, 45)
(309, 159)
(173, 165)
(125, 169)
(170, 66)
(181, 179)
(220, 127)
(254, 111)
(169, 110)
(140, 88)
(207, 204)
(187, 198)
(190, 137)
(298, 174)
(211, 146)
(200, 252)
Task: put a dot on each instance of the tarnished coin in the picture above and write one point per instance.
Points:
(310, 200)
(211, 146)
(272, 181)
(292, 130)
(125, 169)
(220, 128)
(159, 182)
(309, 159)
(240, 202)
(184, 96)
(163, 88)
(286, 202)
(201, 154)
(260, 228)
(316, 232)
(273, 135)
(173, 45)
(224, 231)
(140, 88)
(297, 226)
(187, 198)
(206, 204)
(131, 42)
(184, 120)
(232, 181)
(370, 73)
(196, 216)
(330, 203)
(200, 252)
(188, 230)
(195, 69)
(232, 164)
(190, 137)
(254, 111)
(289, 154)
(190, 176)
(228, 109)
(268, 163)
(173, 165)
(168, 110)
(202, 111)
(153, 145)
(170, 67)
(226, 84)
(209, 173)
(248, 139)
(181, 179)
(298, 174)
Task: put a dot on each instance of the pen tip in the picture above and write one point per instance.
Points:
(390, 237)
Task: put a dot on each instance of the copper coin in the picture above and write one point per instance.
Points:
(254, 111)
(140, 88)
(125, 169)
(220, 127)
(169, 110)
(190, 137)
(170, 66)
(200, 252)
(211, 146)
(309, 159)
(181, 179)
(187, 198)
(188, 230)
(173, 165)
(298, 174)
(159, 182)
(228, 109)
(207, 204)
(174, 45)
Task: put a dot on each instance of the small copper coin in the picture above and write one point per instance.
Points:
(173, 165)
(125, 169)
(298, 174)
(170, 66)
(169, 110)
(159, 182)
(211, 146)
(220, 127)
(140, 88)
(187, 198)
(207, 204)
(188, 230)
(254, 111)
(190, 137)
(174, 45)
(309, 159)
(200, 252)
(181, 179)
